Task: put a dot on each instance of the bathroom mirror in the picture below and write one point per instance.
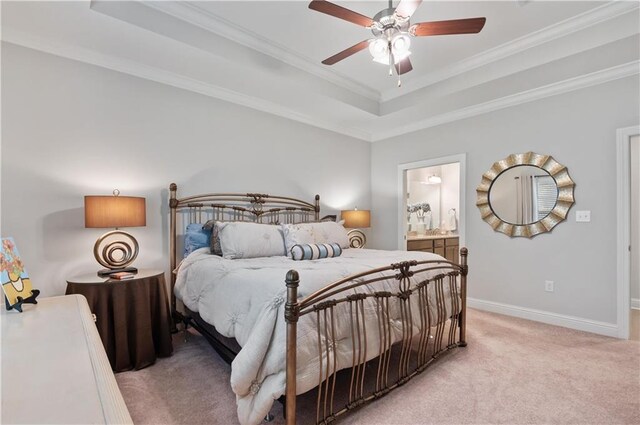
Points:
(525, 194)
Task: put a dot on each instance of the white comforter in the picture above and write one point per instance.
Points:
(244, 299)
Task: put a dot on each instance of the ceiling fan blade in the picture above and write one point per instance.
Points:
(456, 26)
(340, 12)
(406, 8)
(346, 53)
(404, 66)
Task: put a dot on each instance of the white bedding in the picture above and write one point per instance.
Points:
(244, 299)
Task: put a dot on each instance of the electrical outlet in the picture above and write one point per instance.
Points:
(548, 285)
(583, 216)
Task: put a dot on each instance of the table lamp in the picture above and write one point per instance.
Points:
(116, 249)
(356, 219)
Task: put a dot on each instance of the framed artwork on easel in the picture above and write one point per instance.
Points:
(16, 284)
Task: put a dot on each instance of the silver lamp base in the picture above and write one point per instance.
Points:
(116, 254)
(357, 239)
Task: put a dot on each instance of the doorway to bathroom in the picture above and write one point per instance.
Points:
(431, 205)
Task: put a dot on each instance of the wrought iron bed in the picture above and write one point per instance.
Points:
(426, 334)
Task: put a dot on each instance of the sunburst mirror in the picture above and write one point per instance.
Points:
(525, 194)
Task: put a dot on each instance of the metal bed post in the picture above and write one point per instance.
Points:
(291, 317)
(463, 295)
(173, 203)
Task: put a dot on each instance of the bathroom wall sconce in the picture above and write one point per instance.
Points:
(434, 179)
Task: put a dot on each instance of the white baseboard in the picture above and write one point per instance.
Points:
(602, 328)
(635, 303)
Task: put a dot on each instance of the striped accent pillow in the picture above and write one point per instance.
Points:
(315, 251)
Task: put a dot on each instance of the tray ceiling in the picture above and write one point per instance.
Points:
(266, 55)
(316, 36)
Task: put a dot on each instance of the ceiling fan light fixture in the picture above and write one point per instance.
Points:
(379, 48)
(400, 44)
(391, 29)
(396, 58)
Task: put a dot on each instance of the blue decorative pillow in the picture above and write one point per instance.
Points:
(315, 251)
(196, 237)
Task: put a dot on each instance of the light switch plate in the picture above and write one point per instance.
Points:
(583, 216)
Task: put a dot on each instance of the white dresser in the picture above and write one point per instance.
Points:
(54, 367)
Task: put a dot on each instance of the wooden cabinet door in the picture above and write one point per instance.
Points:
(452, 254)
(420, 245)
(452, 248)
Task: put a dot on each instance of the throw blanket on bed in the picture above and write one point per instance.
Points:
(245, 298)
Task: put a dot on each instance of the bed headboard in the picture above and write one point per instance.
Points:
(253, 207)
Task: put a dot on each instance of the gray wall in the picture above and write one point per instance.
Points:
(71, 129)
(579, 130)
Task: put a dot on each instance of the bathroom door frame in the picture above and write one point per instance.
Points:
(402, 194)
(623, 249)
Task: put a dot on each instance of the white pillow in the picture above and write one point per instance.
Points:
(330, 232)
(297, 234)
(315, 233)
(250, 240)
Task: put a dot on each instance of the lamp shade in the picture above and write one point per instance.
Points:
(356, 219)
(114, 211)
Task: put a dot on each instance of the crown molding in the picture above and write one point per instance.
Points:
(564, 86)
(162, 76)
(195, 15)
(558, 30)
(172, 79)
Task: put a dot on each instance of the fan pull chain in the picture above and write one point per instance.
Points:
(390, 61)
(391, 65)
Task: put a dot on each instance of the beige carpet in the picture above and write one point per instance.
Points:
(512, 372)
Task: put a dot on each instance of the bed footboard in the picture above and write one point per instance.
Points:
(399, 352)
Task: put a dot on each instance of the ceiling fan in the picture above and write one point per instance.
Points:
(391, 28)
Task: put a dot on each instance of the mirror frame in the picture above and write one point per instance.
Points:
(558, 213)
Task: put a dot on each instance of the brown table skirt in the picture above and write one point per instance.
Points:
(133, 319)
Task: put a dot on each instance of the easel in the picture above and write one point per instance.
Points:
(18, 305)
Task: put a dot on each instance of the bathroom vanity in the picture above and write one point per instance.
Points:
(446, 245)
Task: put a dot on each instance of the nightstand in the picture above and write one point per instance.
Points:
(132, 316)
